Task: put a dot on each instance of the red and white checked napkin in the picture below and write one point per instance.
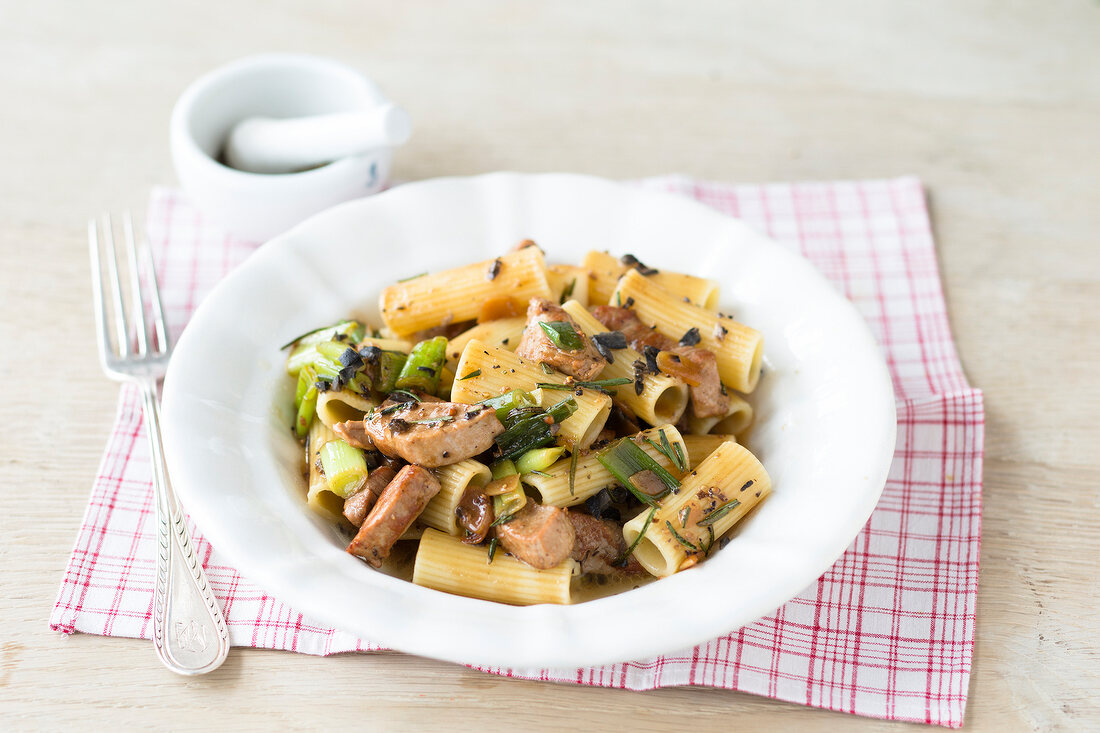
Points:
(887, 632)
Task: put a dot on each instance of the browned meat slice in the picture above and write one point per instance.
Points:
(638, 335)
(354, 433)
(359, 504)
(583, 362)
(699, 370)
(396, 509)
(599, 543)
(474, 515)
(539, 535)
(428, 433)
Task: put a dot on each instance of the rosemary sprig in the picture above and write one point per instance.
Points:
(492, 550)
(680, 538)
(471, 375)
(715, 514)
(599, 384)
(621, 560)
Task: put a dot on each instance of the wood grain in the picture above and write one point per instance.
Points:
(995, 105)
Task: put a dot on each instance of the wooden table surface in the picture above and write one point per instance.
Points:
(995, 105)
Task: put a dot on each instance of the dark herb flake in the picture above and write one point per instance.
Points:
(494, 270)
(691, 338)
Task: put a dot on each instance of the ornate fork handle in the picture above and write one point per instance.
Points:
(189, 631)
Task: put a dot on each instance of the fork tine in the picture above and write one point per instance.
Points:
(159, 324)
(137, 302)
(99, 305)
(121, 326)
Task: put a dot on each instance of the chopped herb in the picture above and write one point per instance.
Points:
(618, 299)
(598, 503)
(665, 449)
(605, 342)
(691, 337)
(492, 550)
(679, 538)
(532, 427)
(471, 375)
(411, 277)
(504, 519)
(716, 514)
(494, 270)
(562, 334)
(710, 544)
(639, 376)
(719, 331)
(678, 460)
(567, 291)
(409, 396)
(621, 560)
(393, 408)
(684, 516)
(540, 473)
(748, 483)
(599, 384)
(632, 261)
(682, 459)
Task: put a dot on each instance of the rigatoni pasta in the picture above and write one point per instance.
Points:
(495, 371)
(739, 348)
(720, 491)
(662, 399)
(444, 563)
(736, 421)
(458, 295)
(605, 270)
(505, 451)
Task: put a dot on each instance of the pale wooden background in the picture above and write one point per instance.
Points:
(996, 105)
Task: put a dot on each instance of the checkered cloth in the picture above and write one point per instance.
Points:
(888, 631)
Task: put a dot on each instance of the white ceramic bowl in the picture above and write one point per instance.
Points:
(256, 206)
(825, 431)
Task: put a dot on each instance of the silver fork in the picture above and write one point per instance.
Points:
(189, 631)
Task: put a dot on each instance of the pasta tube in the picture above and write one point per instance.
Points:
(568, 282)
(444, 563)
(334, 406)
(662, 400)
(701, 446)
(605, 270)
(457, 294)
(319, 496)
(498, 371)
(453, 482)
(739, 349)
(713, 497)
(503, 332)
(591, 476)
(736, 421)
